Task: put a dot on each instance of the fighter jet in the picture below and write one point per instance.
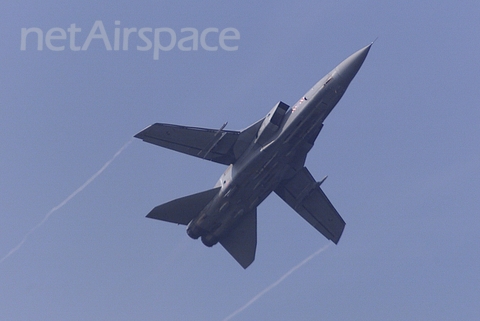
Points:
(268, 156)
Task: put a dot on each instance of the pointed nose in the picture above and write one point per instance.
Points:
(348, 68)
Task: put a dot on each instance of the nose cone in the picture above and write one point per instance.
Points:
(348, 68)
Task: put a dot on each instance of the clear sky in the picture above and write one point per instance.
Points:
(401, 150)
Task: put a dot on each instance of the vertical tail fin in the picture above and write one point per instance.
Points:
(241, 242)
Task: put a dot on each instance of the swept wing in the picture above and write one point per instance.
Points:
(306, 197)
(218, 145)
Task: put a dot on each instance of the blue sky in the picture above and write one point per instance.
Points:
(401, 150)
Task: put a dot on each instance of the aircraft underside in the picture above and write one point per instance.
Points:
(266, 157)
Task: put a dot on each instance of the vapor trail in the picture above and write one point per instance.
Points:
(78, 190)
(268, 288)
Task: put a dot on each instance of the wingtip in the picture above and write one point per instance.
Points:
(141, 134)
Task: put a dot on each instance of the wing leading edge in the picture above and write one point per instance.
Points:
(306, 197)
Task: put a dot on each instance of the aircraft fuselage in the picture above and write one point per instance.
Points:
(246, 183)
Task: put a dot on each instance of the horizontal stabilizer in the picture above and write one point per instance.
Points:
(241, 242)
(184, 209)
(306, 197)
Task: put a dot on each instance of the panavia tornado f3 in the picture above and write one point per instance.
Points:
(268, 156)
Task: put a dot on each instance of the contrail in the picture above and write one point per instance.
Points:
(59, 206)
(259, 295)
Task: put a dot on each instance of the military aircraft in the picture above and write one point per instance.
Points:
(268, 156)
